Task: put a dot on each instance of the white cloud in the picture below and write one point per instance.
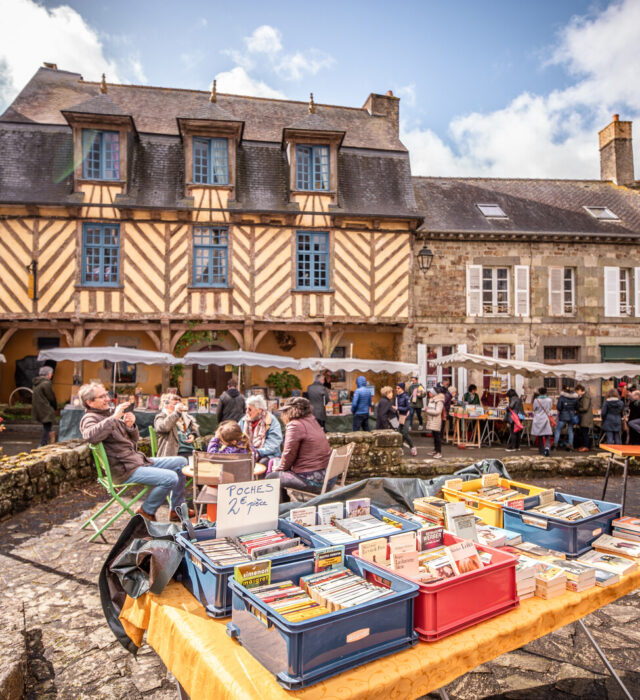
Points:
(264, 39)
(407, 93)
(31, 34)
(552, 135)
(238, 82)
(294, 66)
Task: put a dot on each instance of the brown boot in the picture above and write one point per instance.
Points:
(174, 517)
(141, 511)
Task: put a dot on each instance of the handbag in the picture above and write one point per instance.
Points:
(394, 423)
(552, 421)
(517, 425)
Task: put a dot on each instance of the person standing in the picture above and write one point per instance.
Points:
(176, 429)
(385, 411)
(231, 405)
(585, 411)
(435, 412)
(360, 405)
(515, 407)
(402, 407)
(44, 403)
(612, 410)
(118, 433)
(541, 424)
(448, 398)
(567, 412)
(634, 416)
(318, 396)
(471, 396)
(416, 402)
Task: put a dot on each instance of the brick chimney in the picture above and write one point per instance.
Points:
(616, 154)
(384, 106)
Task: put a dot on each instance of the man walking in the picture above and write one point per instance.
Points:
(360, 405)
(231, 405)
(585, 411)
(416, 402)
(318, 396)
(119, 435)
(44, 403)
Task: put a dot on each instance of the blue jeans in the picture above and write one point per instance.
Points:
(559, 426)
(360, 421)
(613, 437)
(166, 476)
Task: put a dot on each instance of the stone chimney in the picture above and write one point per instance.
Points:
(616, 153)
(384, 106)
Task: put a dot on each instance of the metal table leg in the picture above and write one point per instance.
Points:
(606, 477)
(606, 661)
(625, 475)
(443, 694)
(182, 695)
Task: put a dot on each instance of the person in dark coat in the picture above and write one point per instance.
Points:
(318, 396)
(385, 410)
(585, 411)
(360, 405)
(231, 405)
(612, 410)
(567, 408)
(403, 406)
(515, 405)
(634, 417)
(44, 402)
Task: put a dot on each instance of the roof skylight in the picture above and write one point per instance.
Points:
(492, 211)
(602, 213)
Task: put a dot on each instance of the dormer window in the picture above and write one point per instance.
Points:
(100, 154)
(312, 167)
(210, 161)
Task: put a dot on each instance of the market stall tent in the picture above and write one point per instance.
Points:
(239, 357)
(355, 364)
(599, 370)
(521, 367)
(109, 353)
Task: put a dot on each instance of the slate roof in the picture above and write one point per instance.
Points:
(532, 206)
(208, 110)
(154, 110)
(100, 104)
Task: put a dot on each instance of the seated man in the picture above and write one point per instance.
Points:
(118, 433)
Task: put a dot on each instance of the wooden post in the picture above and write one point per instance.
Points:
(247, 344)
(78, 342)
(165, 346)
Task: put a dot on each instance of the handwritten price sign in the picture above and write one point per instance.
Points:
(247, 506)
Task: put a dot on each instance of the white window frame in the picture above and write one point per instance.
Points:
(568, 307)
(624, 291)
(492, 310)
(495, 353)
(439, 368)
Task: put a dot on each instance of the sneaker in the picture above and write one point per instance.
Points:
(437, 456)
(510, 449)
(421, 427)
(583, 449)
(547, 453)
(141, 511)
(414, 451)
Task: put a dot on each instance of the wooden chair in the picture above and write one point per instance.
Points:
(338, 465)
(153, 441)
(116, 491)
(210, 470)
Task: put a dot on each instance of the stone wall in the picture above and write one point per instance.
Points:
(44, 473)
(375, 452)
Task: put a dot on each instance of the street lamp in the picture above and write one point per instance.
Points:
(425, 258)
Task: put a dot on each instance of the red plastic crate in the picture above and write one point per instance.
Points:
(452, 605)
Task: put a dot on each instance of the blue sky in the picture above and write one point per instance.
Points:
(488, 88)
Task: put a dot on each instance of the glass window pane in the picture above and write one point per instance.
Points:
(220, 158)
(91, 146)
(303, 167)
(111, 152)
(201, 161)
(321, 168)
(312, 263)
(101, 254)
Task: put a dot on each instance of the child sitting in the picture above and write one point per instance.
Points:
(229, 439)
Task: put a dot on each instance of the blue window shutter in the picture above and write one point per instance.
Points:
(201, 161)
(303, 167)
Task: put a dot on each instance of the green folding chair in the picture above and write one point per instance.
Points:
(116, 491)
(153, 441)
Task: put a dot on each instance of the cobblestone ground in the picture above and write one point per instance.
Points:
(49, 571)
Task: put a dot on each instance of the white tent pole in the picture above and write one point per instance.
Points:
(113, 383)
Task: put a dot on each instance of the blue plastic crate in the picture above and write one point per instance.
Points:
(208, 582)
(302, 653)
(352, 546)
(572, 538)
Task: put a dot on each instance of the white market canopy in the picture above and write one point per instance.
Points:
(239, 357)
(110, 353)
(355, 364)
(581, 372)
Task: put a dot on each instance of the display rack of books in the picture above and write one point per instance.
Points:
(347, 523)
(487, 495)
(209, 561)
(566, 523)
(461, 582)
(308, 628)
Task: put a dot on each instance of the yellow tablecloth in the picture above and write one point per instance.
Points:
(210, 665)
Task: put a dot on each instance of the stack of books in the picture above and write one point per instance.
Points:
(431, 508)
(526, 577)
(442, 563)
(494, 536)
(405, 513)
(364, 526)
(551, 581)
(579, 576)
(225, 551)
(331, 533)
(627, 528)
(339, 588)
(567, 511)
(290, 600)
(610, 562)
(617, 545)
(535, 551)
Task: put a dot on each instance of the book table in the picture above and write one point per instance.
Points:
(208, 664)
(624, 454)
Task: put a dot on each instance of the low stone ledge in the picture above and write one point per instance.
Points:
(13, 653)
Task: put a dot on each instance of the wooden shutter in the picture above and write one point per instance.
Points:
(521, 286)
(474, 290)
(636, 290)
(519, 381)
(462, 373)
(612, 291)
(556, 291)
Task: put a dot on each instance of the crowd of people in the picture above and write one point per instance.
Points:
(299, 457)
